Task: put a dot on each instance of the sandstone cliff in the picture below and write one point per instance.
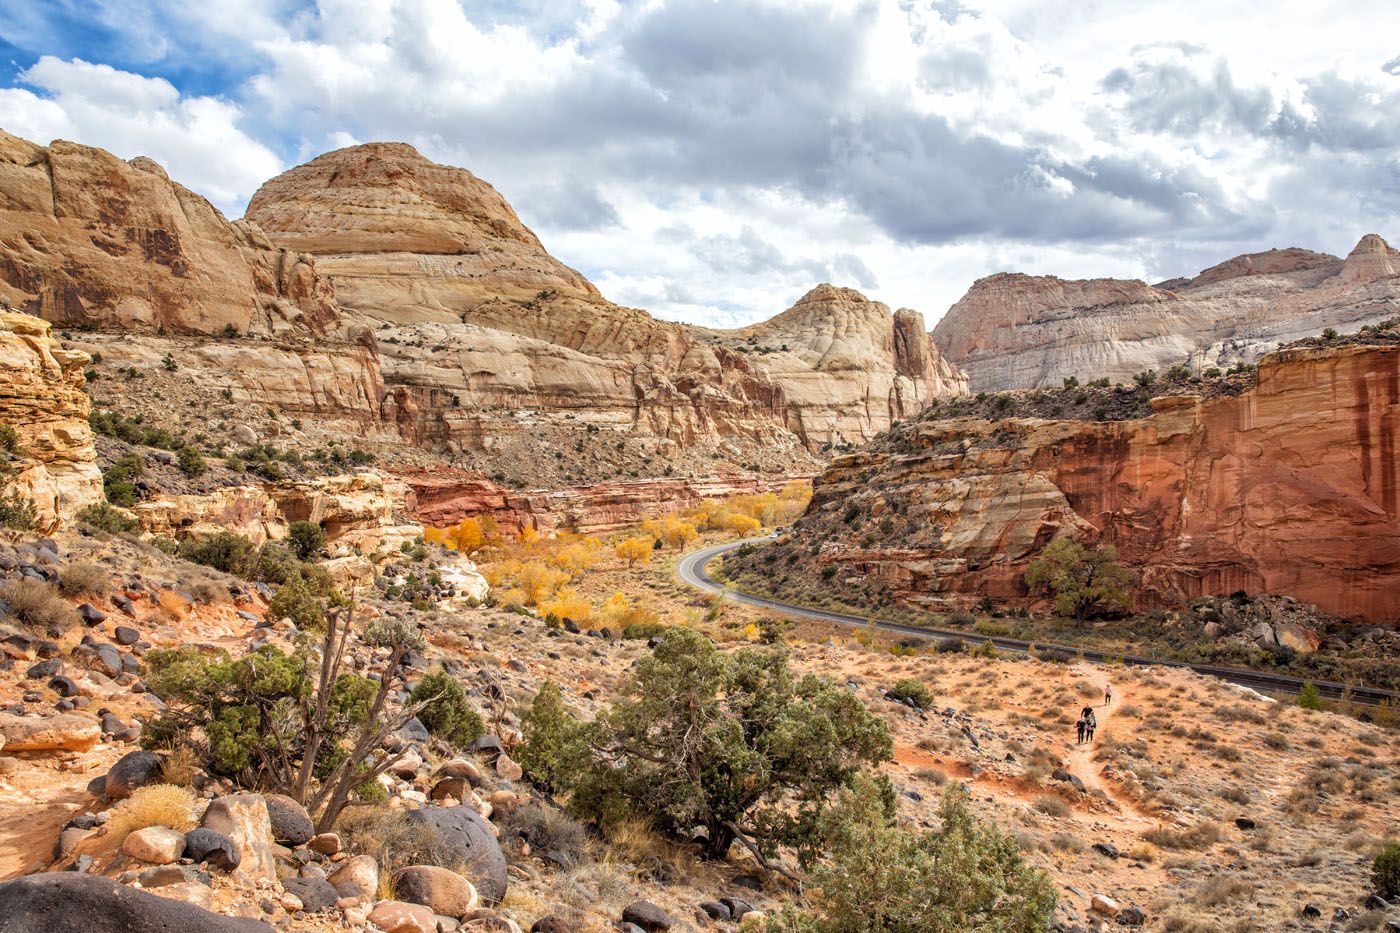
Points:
(440, 498)
(89, 240)
(1292, 488)
(42, 399)
(408, 299)
(1019, 331)
(433, 257)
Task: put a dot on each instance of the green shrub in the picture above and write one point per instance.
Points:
(1086, 584)
(553, 741)
(296, 600)
(641, 631)
(879, 877)
(306, 539)
(191, 461)
(225, 551)
(1385, 871)
(913, 691)
(1309, 697)
(447, 712)
(17, 512)
(103, 517)
(734, 742)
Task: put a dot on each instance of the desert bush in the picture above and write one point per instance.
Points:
(103, 517)
(292, 722)
(391, 840)
(736, 743)
(83, 577)
(306, 539)
(1222, 890)
(1309, 697)
(547, 829)
(225, 551)
(191, 461)
(17, 511)
(912, 691)
(1200, 836)
(1052, 805)
(1086, 583)
(296, 600)
(566, 603)
(967, 876)
(446, 712)
(553, 741)
(640, 631)
(153, 805)
(36, 604)
(1385, 871)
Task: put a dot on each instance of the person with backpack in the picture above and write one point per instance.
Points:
(1090, 724)
(1107, 694)
(1081, 726)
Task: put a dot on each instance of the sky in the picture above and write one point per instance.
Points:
(712, 161)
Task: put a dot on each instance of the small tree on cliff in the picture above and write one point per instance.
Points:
(736, 743)
(1086, 583)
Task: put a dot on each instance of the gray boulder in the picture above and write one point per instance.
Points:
(291, 824)
(133, 770)
(468, 841)
(71, 902)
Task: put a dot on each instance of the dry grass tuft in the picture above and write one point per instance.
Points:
(173, 606)
(35, 604)
(84, 577)
(153, 805)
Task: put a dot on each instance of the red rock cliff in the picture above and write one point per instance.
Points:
(1291, 488)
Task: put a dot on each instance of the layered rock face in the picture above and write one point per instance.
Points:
(88, 239)
(435, 259)
(1291, 488)
(42, 399)
(443, 498)
(1019, 331)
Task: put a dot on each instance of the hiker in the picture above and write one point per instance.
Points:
(1107, 694)
(1090, 724)
(1082, 726)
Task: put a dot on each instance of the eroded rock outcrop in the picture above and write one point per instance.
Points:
(89, 239)
(477, 321)
(1018, 331)
(1292, 488)
(442, 498)
(42, 399)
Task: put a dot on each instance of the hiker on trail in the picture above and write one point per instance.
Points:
(1087, 713)
(1091, 724)
(1082, 726)
(1107, 694)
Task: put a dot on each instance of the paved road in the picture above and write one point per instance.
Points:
(691, 570)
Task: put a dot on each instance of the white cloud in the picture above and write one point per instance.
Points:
(197, 139)
(714, 161)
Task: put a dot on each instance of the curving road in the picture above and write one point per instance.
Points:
(691, 570)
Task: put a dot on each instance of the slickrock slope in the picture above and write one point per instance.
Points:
(1018, 331)
(42, 399)
(88, 239)
(436, 260)
(1292, 488)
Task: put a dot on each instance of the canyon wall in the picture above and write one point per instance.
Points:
(42, 400)
(441, 498)
(477, 321)
(1014, 331)
(89, 240)
(1292, 488)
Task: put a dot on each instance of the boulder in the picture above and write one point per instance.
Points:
(243, 818)
(648, 916)
(469, 840)
(291, 824)
(398, 917)
(218, 850)
(357, 877)
(74, 902)
(1104, 905)
(325, 843)
(550, 924)
(68, 732)
(159, 845)
(132, 770)
(314, 893)
(508, 769)
(461, 768)
(440, 889)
